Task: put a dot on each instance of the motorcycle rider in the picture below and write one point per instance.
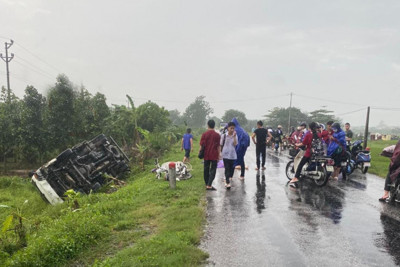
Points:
(307, 142)
(278, 137)
(303, 126)
(324, 137)
(329, 128)
(295, 137)
(337, 148)
(394, 171)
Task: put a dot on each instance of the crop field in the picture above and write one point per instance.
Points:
(379, 164)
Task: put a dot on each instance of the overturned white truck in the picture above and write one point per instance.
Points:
(81, 168)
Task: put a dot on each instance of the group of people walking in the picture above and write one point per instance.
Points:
(231, 146)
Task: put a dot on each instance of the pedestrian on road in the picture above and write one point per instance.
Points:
(241, 148)
(210, 142)
(228, 144)
(259, 138)
(187, 144)
(337, 148)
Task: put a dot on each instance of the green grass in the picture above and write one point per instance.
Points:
(379, 164)
(142, 224)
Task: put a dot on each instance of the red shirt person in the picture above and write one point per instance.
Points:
(307, 143)
(295, 138)
(210, 140)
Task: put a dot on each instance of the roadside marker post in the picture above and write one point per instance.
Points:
(172, 175)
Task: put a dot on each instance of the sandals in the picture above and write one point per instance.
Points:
(211, 189)
(228, 186)
(383, 199)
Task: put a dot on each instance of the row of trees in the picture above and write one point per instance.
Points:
(200, 110)
(280, 116)
(36, 127)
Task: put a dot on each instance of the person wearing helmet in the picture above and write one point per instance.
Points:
(337, 148)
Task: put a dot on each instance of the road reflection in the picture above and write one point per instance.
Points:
(390, 239)
(327, 200)
(260, 193)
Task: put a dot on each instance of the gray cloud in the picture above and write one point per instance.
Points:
(172, 51)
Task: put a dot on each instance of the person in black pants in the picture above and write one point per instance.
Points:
(228, 143)
(210, 143)
(259, 138)
(394, 171)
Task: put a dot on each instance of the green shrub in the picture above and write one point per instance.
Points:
(61, 240)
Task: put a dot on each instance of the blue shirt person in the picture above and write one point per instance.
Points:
(187, 144)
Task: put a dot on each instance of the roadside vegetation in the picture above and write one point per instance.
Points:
(379, 164)
(142, 224)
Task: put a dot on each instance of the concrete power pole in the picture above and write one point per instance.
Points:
(290, 112)
(366, 129)
(7, 59)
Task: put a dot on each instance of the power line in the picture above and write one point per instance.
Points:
(332, 101)
(249, 99)
(20, 78)
(350, 112)
(37, 71)
(387, 109)
(33, 65)
(37, 57)
(214, 102)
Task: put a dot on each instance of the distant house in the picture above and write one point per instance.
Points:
(385, 137)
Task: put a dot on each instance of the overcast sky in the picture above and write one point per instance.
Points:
(247, 55)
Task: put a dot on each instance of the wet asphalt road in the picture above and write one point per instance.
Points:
(263, 222)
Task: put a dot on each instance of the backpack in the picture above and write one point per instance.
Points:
(317, 147)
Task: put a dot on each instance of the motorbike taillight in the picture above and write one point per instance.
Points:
(368, 149)
(330, 162)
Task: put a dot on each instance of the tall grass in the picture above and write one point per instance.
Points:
(142, 224)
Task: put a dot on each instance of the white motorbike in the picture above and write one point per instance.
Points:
(182, 170)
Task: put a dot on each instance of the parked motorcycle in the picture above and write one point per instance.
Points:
(317, 169)
(360, 158)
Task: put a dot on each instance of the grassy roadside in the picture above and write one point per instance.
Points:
(142, 224)
(379, 164)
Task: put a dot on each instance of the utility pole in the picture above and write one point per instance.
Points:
(290, 111)
(7, 59)
(366, 129)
